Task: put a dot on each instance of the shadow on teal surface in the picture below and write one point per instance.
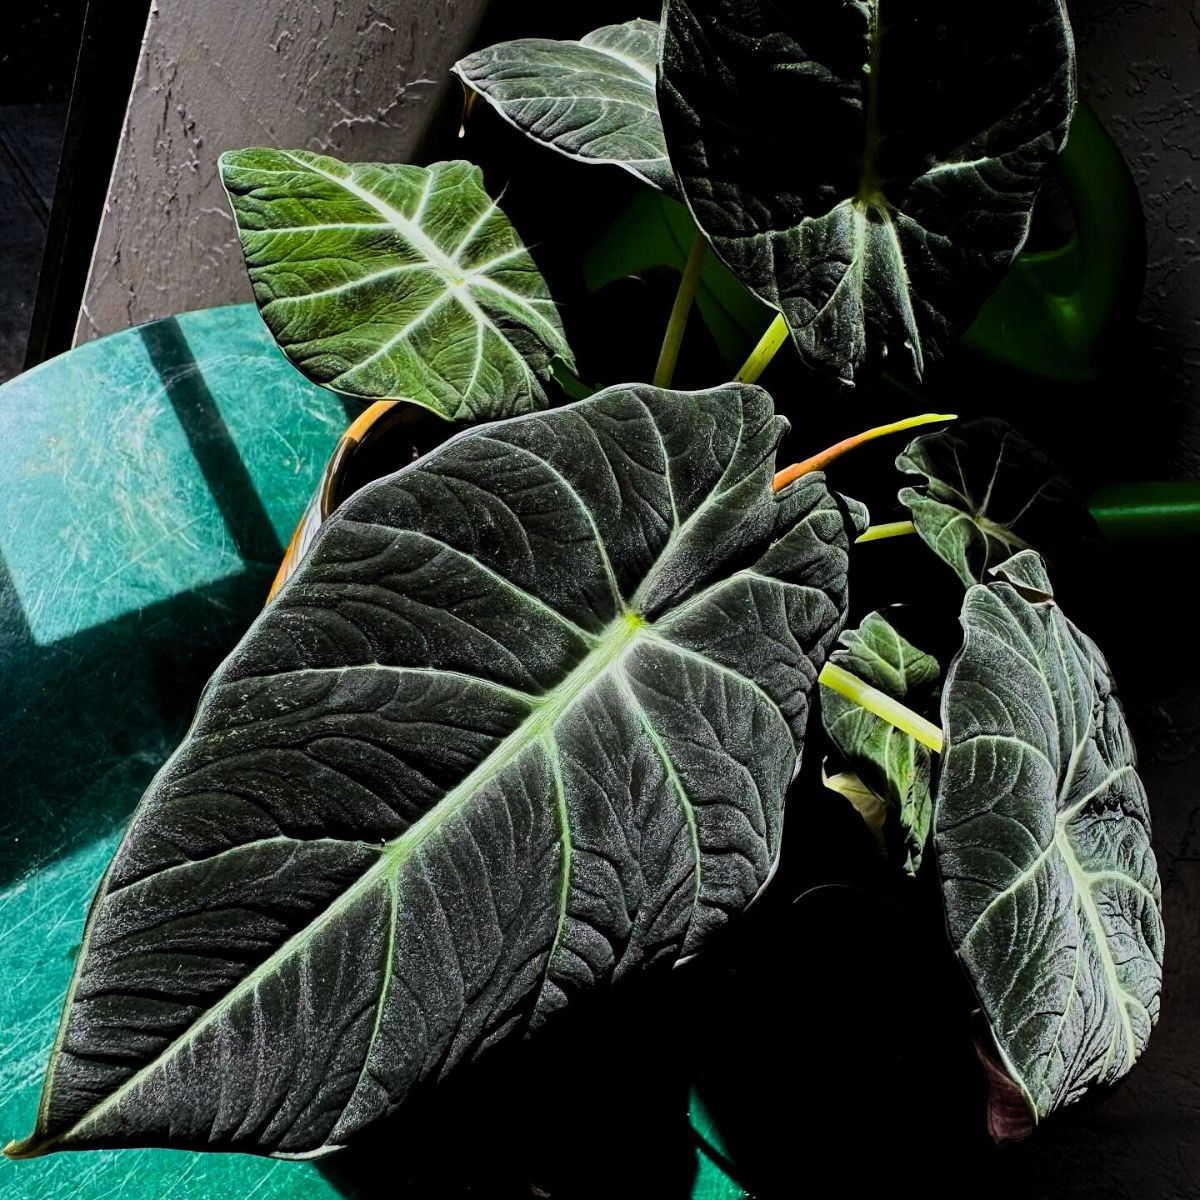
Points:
(147, 484)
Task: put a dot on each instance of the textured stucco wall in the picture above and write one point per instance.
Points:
(1140, 67)
(352, 78)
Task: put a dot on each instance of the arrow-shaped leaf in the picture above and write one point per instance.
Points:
(395, 282)
(592, 100)
(1043, 843)
(520, 724)
(867, 167)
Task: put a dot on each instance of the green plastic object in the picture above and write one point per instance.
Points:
(714, 1171)
(1156, 511)
(1050, 316)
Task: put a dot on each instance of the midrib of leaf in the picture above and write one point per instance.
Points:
(457, 282)
(1071, 995)
(568, 853)
(1083, 889)
(393, 216)
(1079, 877)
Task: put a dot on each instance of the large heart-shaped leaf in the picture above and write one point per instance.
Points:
(521, 723)
(592, 100)
(892, 765)
(1043, 843)
(395, 282)
(990, 493)
(868, 167)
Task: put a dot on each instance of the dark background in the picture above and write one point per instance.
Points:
(829, 1037)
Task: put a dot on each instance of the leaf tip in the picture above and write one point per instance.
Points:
(1010, 1114)
(28, 1147)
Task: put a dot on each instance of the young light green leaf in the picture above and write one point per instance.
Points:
(892, 765)
(395, 282)
(1043, 843)
(592, 100)
(989, 494)
(867, 803)
(520, 724)
(867, 167)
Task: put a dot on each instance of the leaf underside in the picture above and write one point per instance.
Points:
(592, 100)
(520, 724)
(395, 282)
(867, 167)
(889, 763)
(1043, 843)
(989, 494)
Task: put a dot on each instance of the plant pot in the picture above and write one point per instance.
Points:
(383, 438)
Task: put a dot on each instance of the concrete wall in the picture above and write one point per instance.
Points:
(353, 78)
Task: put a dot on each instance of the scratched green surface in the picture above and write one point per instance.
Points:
(148, 482)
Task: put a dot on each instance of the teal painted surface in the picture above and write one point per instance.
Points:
(148, 482)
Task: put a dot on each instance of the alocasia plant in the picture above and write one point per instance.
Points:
(523, 719)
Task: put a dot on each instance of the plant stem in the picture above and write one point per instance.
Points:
(680, 310)
(818, 462)
(876, 533)
(761, 355)
(882, 705)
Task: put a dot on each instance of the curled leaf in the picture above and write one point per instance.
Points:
(868, 804)
(988, 494)
(891, 765)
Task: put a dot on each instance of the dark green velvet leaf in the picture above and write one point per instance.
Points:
(867, 167)
(891, 764)
(1043, 843)
(520, 724)
(592, 100)
(990, 493)
(395, 282)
